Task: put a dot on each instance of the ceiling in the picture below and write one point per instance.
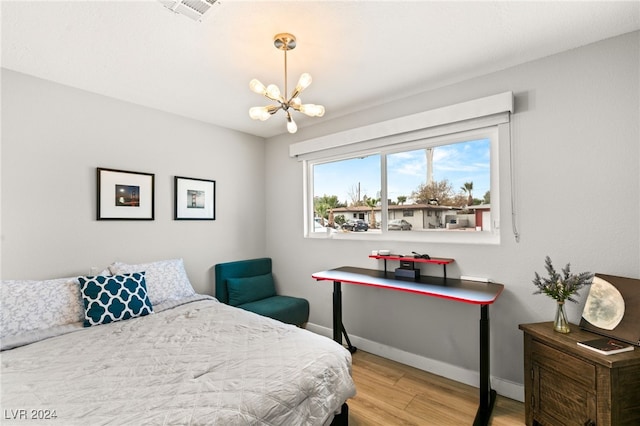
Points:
(360, 53)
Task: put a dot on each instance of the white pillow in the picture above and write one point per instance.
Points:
(166, 279)
(28, 305)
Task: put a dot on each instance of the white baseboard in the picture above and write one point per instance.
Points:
(503, 387)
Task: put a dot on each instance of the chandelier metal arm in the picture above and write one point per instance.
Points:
(294, 95)
(285, 74)
(273, 98)
(272, 109)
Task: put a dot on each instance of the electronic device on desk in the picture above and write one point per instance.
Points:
(407, 270)
(420, 256)
(406, 264)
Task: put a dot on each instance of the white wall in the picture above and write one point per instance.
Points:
(576, 147)
(54, 137)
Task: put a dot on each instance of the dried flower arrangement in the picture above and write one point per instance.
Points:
(563, 286)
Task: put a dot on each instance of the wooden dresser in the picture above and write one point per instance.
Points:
(566, 384)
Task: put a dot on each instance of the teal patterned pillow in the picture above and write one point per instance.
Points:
(114, 298)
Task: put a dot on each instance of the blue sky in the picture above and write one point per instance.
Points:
(459, 163)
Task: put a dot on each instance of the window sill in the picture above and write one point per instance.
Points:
(450, 237)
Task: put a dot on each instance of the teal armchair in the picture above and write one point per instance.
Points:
(249, 285)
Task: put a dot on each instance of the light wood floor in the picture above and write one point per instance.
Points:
(390, 393)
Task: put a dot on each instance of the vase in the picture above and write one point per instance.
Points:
(561, 324)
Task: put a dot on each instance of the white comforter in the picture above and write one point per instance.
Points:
(201, 362)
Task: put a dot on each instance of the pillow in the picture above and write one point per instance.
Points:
(27, 305)
(250, 289)
(114, 298)
(166, 279)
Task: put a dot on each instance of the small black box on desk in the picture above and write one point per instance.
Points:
(407, 273)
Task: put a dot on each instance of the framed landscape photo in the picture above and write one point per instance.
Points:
(124, 195)
(195, 199)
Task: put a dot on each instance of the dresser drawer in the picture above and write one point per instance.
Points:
(580, 371)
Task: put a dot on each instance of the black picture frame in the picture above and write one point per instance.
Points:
(612, 308)
(124, 195)
(194, 199)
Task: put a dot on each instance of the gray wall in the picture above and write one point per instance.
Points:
(576, 147)
(54, 137)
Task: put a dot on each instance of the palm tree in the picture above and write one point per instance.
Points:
(402, 199)
(467, 189)
(326, 203)
(332, 202)
(321, 210)
(372, 203)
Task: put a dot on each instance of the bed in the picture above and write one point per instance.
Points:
(189, 360)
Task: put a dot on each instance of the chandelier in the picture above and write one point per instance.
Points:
(285, 42)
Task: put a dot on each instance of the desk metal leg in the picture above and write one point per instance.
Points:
(338, 326)
(487, 395)
(337, 312)
(351, 348)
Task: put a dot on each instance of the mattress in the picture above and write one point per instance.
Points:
(194, 362)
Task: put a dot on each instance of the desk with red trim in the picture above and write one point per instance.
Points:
(472, 292)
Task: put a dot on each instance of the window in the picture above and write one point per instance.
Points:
(432, 175)
(423, 187)
(441, 179)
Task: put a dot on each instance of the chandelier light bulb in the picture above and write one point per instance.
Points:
(304, 82)
(257, 87)
(259, 113)
(273, 92)
(291, 125)
(312, 110)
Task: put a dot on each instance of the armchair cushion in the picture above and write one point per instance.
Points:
(250, 289)
(288, 309)
(238, 269)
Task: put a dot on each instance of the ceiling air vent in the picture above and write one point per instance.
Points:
(193, 9)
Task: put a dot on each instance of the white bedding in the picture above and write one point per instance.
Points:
(201, 362)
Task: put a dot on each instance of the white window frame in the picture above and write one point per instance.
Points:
(480, 118)
(479, 237)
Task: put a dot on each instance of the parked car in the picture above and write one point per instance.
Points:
(399, 225)
(320, 228)
(355, 225)
(326, 224)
